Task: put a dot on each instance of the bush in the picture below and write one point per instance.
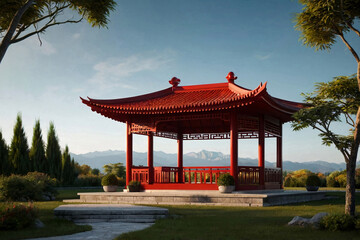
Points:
(313, 181)
(34, 186)
(225, 180)
(134, 186)
(109, 180)
(134, 183)
(341, 222)
(17, 216)
(122, 182)
(87, 181)
(331, 179)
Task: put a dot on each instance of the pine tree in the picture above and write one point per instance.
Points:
(37, 151)
(66, 171)
(4, 157)
(53, 153)
(19, 149)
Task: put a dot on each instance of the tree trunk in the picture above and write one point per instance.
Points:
(350, 187)
(5, 43)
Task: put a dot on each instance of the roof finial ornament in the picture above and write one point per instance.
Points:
(174, 81)
(231, 77)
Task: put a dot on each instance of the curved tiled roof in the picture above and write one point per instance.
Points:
(196, 98)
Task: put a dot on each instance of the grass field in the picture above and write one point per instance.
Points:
(215, 223)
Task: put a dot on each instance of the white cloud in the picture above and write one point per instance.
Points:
(262, 57)
(112, 72)
(76, 36)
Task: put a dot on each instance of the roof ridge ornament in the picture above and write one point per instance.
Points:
(231, 77)
(174, 81)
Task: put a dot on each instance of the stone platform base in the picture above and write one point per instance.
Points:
(172, 197)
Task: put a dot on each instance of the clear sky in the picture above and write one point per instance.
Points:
(146, 44)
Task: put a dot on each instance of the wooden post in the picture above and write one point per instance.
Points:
(129, 152)
(180, 158)
(150, 157)
(279, 155)
(234, 148)
(261, 151)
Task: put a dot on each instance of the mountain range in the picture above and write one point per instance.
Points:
(202, 158)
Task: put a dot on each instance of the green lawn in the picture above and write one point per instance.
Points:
(213, 223)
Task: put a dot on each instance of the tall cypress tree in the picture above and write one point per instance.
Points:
(66, 171)
(4, 157)
(19, 149)
(37, 150)
(53, 153)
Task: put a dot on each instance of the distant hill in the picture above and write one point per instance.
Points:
(202, 158)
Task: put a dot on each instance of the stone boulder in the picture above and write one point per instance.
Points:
(314, 221)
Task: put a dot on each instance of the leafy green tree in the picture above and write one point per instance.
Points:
(95, 171)
(53, 153)
(19, 149)
(67, 173)
(116, 168)
(320, 23)
(333, 102)
(20, 19)
(5, 166)
(37, 151)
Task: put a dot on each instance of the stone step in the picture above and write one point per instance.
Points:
(110, 213)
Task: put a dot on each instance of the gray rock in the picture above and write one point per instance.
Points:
(314, 221)
(39, 224)
(299, 221)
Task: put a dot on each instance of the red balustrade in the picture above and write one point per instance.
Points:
(273, 175)
(247, 176)
(166, 174)
(140, 174)
(203, 175)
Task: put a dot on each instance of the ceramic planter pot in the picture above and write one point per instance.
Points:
(226, 189)
(111, 188)
(312, 188)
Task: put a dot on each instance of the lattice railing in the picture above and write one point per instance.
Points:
(140, 174)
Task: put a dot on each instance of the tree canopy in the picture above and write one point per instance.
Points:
(37, 150)
(20, 19)
(53, 153)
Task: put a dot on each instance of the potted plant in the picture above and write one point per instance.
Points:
(134, 186)
(226, 183)
(313, 183)
(110, 183)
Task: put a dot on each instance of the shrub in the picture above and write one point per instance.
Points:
(331, 179)
(122, 182)
(87, 180)
(17, 216)
(45, 185)
(225, 180)
(341, 222)
(134, 183)
(109, 180)
(313, 180)
(18, 188)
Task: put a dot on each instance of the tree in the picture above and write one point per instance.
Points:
(116, 168)
(67, 173)
(19, 149)
(21, 19)
(95, 171)
(320, 23)
(53, 153)
(4, 157)
(37, 151)
(332, 102)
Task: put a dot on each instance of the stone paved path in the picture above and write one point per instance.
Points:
(102, 230)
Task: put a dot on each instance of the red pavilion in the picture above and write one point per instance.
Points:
(202, 112)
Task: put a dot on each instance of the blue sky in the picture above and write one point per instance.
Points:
(146, 44)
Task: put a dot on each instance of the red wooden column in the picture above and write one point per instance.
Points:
(129, 152)
(279, 154)
(261, 150)
(150, 158)
(180, 158)
(234, 148)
